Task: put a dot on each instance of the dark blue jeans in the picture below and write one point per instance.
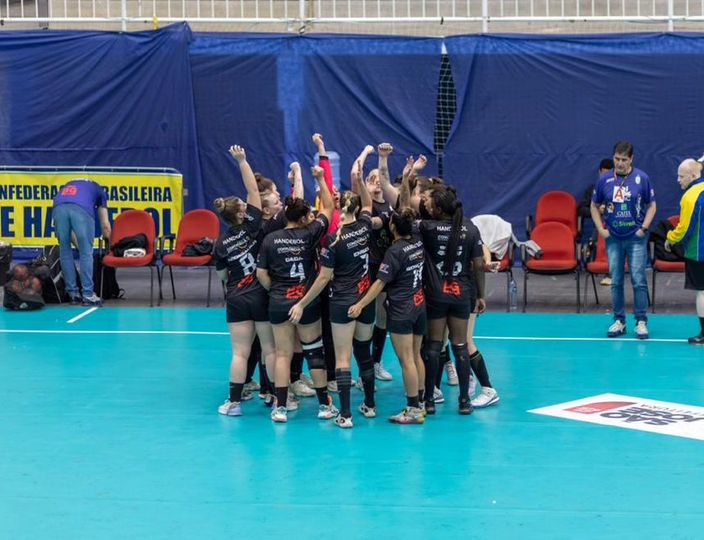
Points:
(71, 217)
(636, 250)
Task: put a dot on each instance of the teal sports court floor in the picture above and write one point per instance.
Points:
(109, 429)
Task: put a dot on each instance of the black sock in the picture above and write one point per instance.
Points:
(413, 401)
(431, 359)
(322, 394)
(463, 366)
(421, 395)
(264, 381)
(378, 342)
(296, 366)
(479, 368)
(363, 355)
(281, 393)
(344, 383)
(236, 392)
(701, 323)
(444, 358)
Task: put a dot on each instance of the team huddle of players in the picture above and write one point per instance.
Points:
(402, 249)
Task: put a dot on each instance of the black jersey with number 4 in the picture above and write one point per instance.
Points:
(380, 238)
(236, 250)
(402, 271)
(458, 285)
(348, 256)
(290, 256)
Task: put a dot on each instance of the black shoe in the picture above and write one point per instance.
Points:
(465, 407)
(696, 340)
(76, 300)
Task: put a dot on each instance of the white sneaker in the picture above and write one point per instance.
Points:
(251, 386)
(487, 396)
(279, 414)
(472, 384)
(618, 328)
(381, 373)
(291, 402)
(452, 378)
(332, 387)
(642, 330)
(230, 408)
(343, 422)
(307, 380)
(326, 412)
(409, 415)
(301, 389)
(437, 396)
(368, 412)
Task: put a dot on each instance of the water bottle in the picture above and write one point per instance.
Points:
(334, 159)
(512, 295)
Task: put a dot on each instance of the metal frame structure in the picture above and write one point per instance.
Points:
(304, 15)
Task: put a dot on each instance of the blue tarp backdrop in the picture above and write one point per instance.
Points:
(533, 112)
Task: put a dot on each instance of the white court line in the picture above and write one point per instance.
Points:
(203, 333)
(81, 315)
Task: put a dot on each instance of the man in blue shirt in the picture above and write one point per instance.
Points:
(74, 215)
(629, 199)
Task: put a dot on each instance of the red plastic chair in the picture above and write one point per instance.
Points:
(131, 223)
(559, 256)
(194, 226)
(556, 206)
(660, 265)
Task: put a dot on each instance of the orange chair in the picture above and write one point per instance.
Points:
(131, 223)
(660, 265)
(195, 225)
(556, 206)
(559, 256)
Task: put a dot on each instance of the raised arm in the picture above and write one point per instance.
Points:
(404, 194)
(361, 158)
(327, 205)
(390, 192)
(360, 188)
(250, 183)
(296, 179)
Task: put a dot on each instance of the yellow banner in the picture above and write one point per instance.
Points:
(26, 201)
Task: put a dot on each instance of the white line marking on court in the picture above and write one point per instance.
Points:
(81, 315)
(204, 333)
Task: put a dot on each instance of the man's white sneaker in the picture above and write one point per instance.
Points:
(437, 396)
(642, 330)
(487, 396)
(332, 387)
(291, 402)
(618, 328)
(381, 373)
(326, 412)
(307, 380)
(301, 389)
(367, 412)
(452, 378)
(345, 423)
(230, 408)
(279, 414)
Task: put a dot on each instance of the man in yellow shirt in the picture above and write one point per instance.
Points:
(690, 230)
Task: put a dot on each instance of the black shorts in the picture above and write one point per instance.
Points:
(278, 312)
(248, 307)
(415, 323)
(694, 275)
(338, 314)
(442, 310)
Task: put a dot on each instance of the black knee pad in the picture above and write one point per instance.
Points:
(314, 354)
(432, 350)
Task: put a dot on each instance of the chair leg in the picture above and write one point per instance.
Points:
(652, 306)
(158, 278)
(596, 294)
(579, 297)
(509, 277)
(171, 274)
(525, 290)
(151, 286)
(210, 275)
(102, 280)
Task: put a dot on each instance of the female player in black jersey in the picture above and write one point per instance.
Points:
(453, 281)
(401, 273)
(286, 268)
(235, 261)
(345, 261)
